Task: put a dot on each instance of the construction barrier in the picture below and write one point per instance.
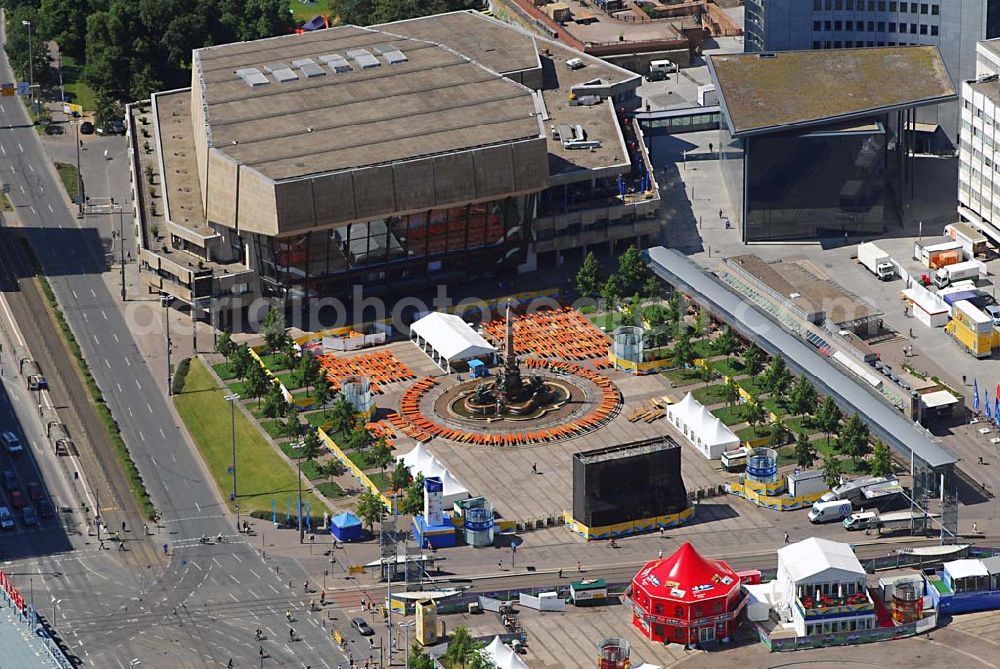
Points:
(641, 526)
(775, 503)
(640, 368)
(353, 469)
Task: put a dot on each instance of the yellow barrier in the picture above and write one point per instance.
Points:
(775, 503)
(641, 526)
(352, 468)
(641, 368)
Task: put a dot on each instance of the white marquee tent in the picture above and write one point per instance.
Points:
(422, 461)
(447, 339)
(705, 432)
(503, 656)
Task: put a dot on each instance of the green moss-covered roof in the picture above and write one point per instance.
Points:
(804, 87)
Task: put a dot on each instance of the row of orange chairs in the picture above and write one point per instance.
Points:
(380, 367)
(563, 333)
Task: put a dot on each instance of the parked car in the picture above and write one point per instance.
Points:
(362, 626)
(993, 311)
(34, 491)
(45, 509)
(113, 127)
(10, 480)
(6, 519)
(54, 129)
(30, 519)
(17, 499)
(12, 443)
(86, 128)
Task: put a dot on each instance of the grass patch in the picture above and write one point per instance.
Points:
(587, 309)
(749, 433)
(730, 367)
(136, 484)
(800, 424)
(263, 475)
(379, 479)
(786, 456)
(361, 459)
(330, 490)
(69, 177)
(732, 415)
(753, 386)
(775, 407)
(77, 91)
(705, 348)
(291, 380)
(273, 361)
(682, 377)
(5, 204)
(317, 418)
(237, 387)
(710, 394)
(225, 371)
(273, 428)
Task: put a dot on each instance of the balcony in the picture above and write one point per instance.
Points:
(833, 605)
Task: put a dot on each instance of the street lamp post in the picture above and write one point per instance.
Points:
(298, 468)
(79, 177)
(31, 67)
(55, 602)
(237, 512)
(232, 399)
(121, 242)
(165, 300)
(406, 642)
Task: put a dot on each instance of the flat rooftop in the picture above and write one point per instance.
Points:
(990, 88)
(182, 189)
(770, 92)
(303, 117)
(991, 45)
(773, 279)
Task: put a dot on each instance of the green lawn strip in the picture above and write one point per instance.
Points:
(273, 361)
(290, 379)
(729, 366)
(361, 459)
(330, 490)
(749, 433)
(800, 424)
(705, 348)
(263, 475)
(772, 405)
(710, 394)
(732, 415)
(379, 479)
(317, 418)
(753, 386)
(273, 428)
(237, 387)
(68, 176)
(682, 377)
(136, 484)
(225, 371)
(786, 455)
(77, 91)
(300, 394)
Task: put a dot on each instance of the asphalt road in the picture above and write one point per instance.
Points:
(201, 609)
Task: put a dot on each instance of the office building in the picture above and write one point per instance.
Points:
(954, 26)
(978, 166)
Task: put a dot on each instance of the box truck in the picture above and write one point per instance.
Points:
(885, 522)
(829, 512)
(972, 329)
(876, 260)
(970, 269)
(937, 253)
(854, 490)
(973, 242)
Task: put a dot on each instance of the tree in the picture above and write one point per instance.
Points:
(752, 360)
(632, 271)
(275, 405)
(590, 276)
(730, 392)
(292, 427)
(400, 477)
(257, 383)
(674, 308)
(225, 345)
(700, 322)
(853, 439)
(307, 369)
(413, 500)
(777, 376)
(27, 59)
(312, 446)
(342, 415)
(802, 398)
(460, 647)
(64, 21)
(272, 328)
(828, 417)
(805, 454)
(418, 659)
(779, 434)
(332, 468)
(726, 342)
(359, 439)
(881, 463)
(482, 660)
(831, 471)
(322, 391)
(754, 414)
(242, 362)
(381, 454)
(370, 508)
(611, 291)
(651, 288)
(684, 353)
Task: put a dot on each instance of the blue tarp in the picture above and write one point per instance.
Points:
(346, 527)
(317, 23)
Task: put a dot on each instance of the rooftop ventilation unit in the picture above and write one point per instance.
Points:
(392, 54)
(252, 76)
(309, 67)
(336, 62)
(363, 58)
(285, 74)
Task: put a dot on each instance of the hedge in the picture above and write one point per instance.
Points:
(177, 385)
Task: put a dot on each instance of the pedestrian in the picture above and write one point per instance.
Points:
(911, 333)
(579, 567)
(123, 526)
(661, 532)
(261, 651)
(145, 530)
(229, 665)
(165, 548)
(534, 467)
(786, 537)
(288, 615)
(499, 565)
(981, 460)
(102, 547)
(659, 554)
(975, 528)
(322, 598)
(720, 213)
(963, 379)
(121, 546)
(560, 572)
(710, 147)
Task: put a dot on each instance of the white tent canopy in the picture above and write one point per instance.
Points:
(422, 461)
(503, 656)
(447, 339)
(700, 427)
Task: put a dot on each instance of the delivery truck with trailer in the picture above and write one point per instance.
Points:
(876, 261)
(887, 522)
(854, 490)
(973, 242)
(970, 269)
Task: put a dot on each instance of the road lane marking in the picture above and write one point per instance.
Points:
(96, 340)
(103, 313)
(21, 187)
(85, 319)
(119, 387)
(3, 149)
(74, 295)
(52, 210)
(32, 208)
(162, 434)
(149, 407)
(273, 589)
(195, 564)
(142, 436)
(233, 596)
(41, 188)
(30, 167)
(115, 335)
(137, 383)
(238, 559)
(10, 319)
(127, 362)
(107, 363)
(129, 409)
(196, 504)
(92, 292)
(255, 574)
(20, 148)
(218, 564)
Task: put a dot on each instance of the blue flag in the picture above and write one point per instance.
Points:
(975, 395)
(987, 403)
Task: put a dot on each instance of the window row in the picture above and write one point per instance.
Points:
(879, 5)
(873, 26)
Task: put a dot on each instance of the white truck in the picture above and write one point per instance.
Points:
(970, 269)
(876, 260)
(829, 512)
(884, 522)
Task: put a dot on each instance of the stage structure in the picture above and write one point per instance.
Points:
(630, 488)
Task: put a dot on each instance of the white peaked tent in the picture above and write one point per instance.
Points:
(705, 432)
(422, 461)
(447, 339)
(503, 656)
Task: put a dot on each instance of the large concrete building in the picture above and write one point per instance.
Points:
(425, 151)
(954, 26)
(979, 153)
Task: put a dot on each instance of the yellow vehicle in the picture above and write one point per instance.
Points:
(973, 329)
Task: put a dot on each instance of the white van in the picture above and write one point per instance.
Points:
(829, 512)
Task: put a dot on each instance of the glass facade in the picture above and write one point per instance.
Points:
(807, 184)
(475, 240)
(731, 159)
